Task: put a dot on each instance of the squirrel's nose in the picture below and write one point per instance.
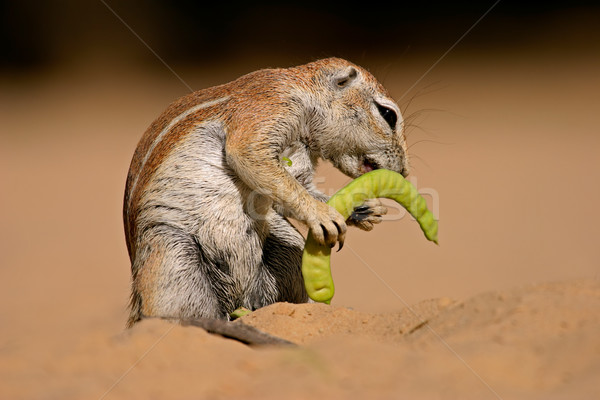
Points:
(405, 169)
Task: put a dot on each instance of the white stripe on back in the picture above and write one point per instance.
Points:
(162, 133)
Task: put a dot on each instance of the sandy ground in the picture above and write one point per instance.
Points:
(504, 147)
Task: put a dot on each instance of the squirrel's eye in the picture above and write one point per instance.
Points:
(389, 115)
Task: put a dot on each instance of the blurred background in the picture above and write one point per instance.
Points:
(39, 35)
(502, 106)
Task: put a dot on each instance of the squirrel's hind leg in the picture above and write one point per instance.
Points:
(169, 280)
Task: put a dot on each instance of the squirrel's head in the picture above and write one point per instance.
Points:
(354, 122)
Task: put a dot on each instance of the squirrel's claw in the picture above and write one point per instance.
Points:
(330, 229)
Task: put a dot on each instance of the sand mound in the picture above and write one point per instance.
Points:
(309, 323)
(534, 342)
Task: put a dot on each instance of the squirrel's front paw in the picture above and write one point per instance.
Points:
(369, 213)
(328, 225)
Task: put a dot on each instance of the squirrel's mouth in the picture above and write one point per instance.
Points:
(368, 166)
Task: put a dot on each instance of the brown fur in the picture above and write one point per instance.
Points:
(326, 109)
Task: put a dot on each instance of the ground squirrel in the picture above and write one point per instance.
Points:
(215, 176)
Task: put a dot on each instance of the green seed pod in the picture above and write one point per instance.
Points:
(380, 183)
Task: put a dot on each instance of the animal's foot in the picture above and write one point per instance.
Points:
(327, 225)
(366, 215)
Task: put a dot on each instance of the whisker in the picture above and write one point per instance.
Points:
(421, 92)
(418, 113)
(429, 141)
(421, 159)
(409, 121)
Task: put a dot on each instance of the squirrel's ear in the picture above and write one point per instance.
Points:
(345, 77)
